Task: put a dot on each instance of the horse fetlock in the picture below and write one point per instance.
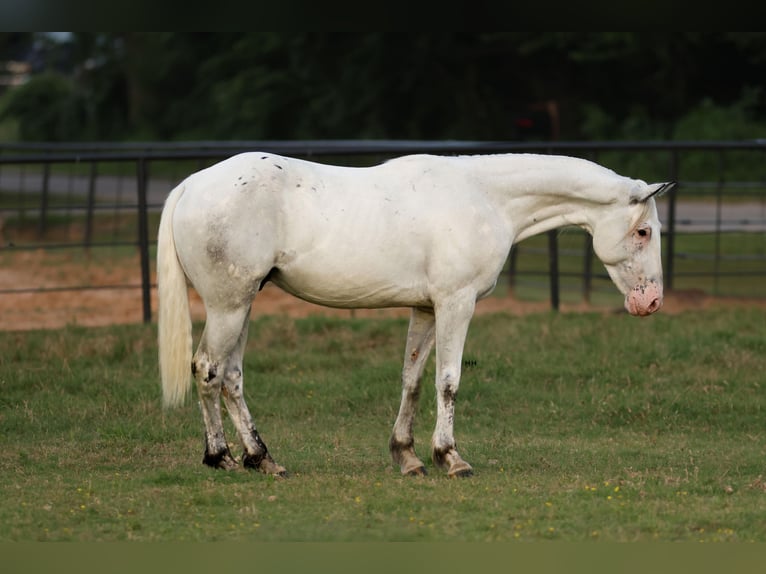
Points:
(257, 457)
(449, 460)
(439, 457)
(397, 447)
(221, 459)
(403, 454)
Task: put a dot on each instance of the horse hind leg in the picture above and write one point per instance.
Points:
(256, 455)
(207, 371)
(218, 356)
(420, 341)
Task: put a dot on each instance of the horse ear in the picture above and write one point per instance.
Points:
(653, 190)
(661, 189)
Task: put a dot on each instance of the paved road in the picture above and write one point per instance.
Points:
(109, 188)
(697, 216)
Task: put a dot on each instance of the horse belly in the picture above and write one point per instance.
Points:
(340, 281)
(386, 255)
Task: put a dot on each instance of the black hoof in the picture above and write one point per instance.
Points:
(466, 473)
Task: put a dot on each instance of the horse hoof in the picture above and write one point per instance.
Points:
(266, 465)
(417, 471)
(462, 473)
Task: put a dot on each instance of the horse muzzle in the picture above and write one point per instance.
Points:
(644, 299)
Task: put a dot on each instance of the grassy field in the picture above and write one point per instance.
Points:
(580, 427)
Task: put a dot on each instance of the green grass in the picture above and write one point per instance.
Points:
(579, 427)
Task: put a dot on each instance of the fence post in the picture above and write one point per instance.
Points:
(718, 209)
(91, 202)
(587, 273)
(42, 225)
(143, 238)
(553, 253)
(512, 270)
(671, 234)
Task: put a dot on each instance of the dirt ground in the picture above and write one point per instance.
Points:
(99, 307)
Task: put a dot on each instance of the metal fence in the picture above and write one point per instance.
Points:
(57, 197)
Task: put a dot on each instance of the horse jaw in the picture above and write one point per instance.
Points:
(644, 299)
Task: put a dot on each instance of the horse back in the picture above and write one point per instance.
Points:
(339, 236)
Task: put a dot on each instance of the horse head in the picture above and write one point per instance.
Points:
(627, 241)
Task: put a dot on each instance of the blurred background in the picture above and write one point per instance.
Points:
(96, 128)
(500, 85)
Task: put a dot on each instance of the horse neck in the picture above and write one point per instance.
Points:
(538, 193)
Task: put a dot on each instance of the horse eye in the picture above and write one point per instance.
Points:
(643, 232)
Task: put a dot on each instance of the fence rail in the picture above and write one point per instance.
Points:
(721, 201)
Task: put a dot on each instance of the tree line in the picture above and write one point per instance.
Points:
(482, 86)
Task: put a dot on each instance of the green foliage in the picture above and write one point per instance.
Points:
(273, 85)
(741, 119)
(709, 120)
(47, 108)
(580, 427)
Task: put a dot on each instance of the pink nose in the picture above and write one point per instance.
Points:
(644, 299)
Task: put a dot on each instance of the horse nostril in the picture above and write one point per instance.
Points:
(654, 305)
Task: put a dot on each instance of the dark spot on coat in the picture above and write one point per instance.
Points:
(216, 244)
(212, 371)
(278, 166)
(215, 250)
(258, 441)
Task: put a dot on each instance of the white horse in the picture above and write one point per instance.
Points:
(426, 232)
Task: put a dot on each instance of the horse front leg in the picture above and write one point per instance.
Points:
(452, 319)
(420, 341)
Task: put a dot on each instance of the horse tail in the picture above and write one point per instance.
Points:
(174, 329)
